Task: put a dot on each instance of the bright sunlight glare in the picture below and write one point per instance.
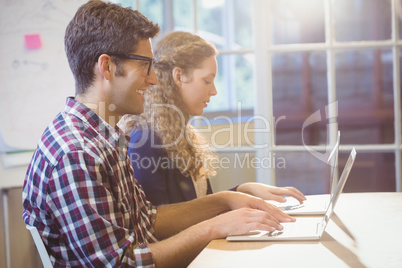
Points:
(212, 3)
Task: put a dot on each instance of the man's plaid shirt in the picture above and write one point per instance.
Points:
(81, 194)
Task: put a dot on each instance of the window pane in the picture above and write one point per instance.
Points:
(226, 23)
(295, 21)
(244, 82)
(400, 86)
(234, 83)
(240, 25)
(365, 94)
(303, 171)
(183, 15)
(364, 20)
(126, 3)
(399, 14)
(210, 17)
(153, 10)
(299, 82)
(371, 172)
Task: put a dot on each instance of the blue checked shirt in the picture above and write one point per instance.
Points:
(81, 194)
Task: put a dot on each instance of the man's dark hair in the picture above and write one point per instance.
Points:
(100, 27)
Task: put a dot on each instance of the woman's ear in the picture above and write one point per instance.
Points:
(177, 76)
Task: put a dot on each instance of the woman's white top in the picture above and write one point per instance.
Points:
(200, 186)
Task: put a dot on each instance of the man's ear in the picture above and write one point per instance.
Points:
(177, 76)
(105, 66)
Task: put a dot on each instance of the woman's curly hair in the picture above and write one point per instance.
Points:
(164, 110)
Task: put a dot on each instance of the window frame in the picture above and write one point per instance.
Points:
(264, 86)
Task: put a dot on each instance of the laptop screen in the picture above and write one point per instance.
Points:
(333, 162)
(341, 184)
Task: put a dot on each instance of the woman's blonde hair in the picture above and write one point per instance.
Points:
(164, 110)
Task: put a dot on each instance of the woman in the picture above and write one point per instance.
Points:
(170, 159)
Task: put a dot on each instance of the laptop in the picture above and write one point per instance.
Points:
(304, 228)
(313, 205)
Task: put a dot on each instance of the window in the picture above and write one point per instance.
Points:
(280, 62)
(331, 56)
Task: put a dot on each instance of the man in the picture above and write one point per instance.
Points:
(80, 191)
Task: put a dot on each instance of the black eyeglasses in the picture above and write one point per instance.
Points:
(135, 57)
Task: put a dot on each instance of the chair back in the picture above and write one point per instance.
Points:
(44, 256)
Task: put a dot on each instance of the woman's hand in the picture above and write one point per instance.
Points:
(268, 192)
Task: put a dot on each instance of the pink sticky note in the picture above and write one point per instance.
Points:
(32, 41)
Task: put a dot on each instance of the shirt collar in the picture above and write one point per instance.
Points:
(81, 111)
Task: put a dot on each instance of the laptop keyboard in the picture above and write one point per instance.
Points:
(287, 227)
(292, 227)
(292, 207)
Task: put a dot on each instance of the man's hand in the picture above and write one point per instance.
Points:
(179, 250)
(242, 221)
(237, 200)
(210, 217)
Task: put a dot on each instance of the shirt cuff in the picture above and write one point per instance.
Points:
(138, 256)
(143, 256)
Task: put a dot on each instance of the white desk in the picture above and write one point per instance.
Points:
(365, 231)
